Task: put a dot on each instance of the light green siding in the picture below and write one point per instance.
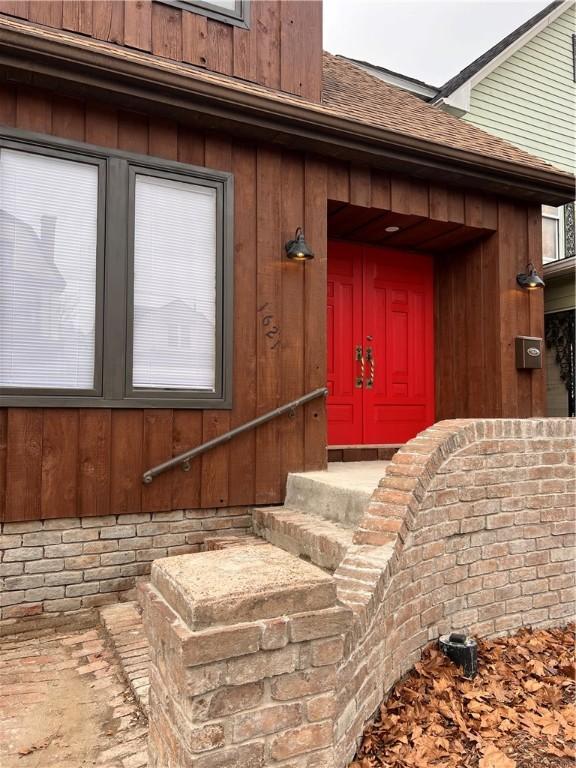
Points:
(559, 294)
(556, 392)
(530, 99)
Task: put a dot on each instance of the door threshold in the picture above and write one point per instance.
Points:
(382, 452)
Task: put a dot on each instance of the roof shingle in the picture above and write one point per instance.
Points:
(366, 98)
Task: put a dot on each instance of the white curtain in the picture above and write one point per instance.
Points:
(174, 285)
(48, 229)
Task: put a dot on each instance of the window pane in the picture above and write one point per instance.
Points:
(48, 232)
(174, 285)
(549, 240)
(226, 5)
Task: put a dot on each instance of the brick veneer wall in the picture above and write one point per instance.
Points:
(472, 527)
(69, 564)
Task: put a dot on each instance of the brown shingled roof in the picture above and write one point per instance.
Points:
(364, 97)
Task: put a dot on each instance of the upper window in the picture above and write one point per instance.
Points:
(114, 279)
(231, 11)
(552, 233)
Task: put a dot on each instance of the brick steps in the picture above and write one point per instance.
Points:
(124, 628)
(123, 625)
(226, 542)
(320, 541)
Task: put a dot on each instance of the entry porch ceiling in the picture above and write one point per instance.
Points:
(368, 225)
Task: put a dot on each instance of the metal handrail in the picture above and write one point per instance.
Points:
(186, 458)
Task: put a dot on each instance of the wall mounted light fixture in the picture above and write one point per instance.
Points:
(530, 279)
(298, 249)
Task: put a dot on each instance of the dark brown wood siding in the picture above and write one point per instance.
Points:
(479, 311)
(281, 49)
(63, 462)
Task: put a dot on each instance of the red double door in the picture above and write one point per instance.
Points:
(380, 344)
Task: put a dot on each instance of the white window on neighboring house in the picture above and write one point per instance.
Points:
(552, 234)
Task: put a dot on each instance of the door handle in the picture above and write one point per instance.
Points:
(370, 359)
(359, 358)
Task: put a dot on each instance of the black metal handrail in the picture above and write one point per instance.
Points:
(185, 458)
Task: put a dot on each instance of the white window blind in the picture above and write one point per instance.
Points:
(48, 233)
(174, 285)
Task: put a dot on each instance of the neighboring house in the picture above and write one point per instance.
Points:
(177, 147)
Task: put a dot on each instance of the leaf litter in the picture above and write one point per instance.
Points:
(518, 712)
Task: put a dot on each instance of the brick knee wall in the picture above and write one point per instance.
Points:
(69, 564)
(472, 528)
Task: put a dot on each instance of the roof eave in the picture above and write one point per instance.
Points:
(54, 55)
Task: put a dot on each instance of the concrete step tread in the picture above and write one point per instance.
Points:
(340, 493)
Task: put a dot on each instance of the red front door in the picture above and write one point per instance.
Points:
(380, 344)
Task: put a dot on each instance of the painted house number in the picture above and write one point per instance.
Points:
(271, 330)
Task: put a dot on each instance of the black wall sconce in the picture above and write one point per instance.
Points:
(298, 249)
(530, 279)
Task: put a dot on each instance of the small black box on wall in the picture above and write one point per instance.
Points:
(528, 352)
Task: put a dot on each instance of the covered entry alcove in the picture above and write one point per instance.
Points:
(420, 278)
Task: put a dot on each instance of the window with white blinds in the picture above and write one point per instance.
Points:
(115, 278)
(48, 254)
(174, 306)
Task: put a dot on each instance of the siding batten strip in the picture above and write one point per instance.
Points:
(215, 463)
(269, 314)
(243, 448)
(292, 381)
(315, 288)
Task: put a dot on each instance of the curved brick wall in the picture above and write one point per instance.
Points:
(472, 527)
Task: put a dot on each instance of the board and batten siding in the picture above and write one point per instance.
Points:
(280, 49)
(530, 99)
(69, 462)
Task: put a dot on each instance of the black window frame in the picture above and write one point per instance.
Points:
(113, 343)
(240, 17)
